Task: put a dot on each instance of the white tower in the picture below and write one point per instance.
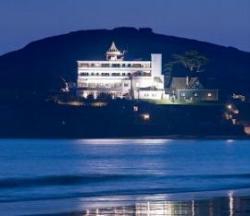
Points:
(113, 54)
(156, 65)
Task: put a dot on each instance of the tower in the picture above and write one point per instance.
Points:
(113, 54)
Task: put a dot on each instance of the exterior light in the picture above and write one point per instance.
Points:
(146, 116)
(247, 129)
(209, 94)
(236, 111)
(99, 104)
(230, 106)
(136, 108)
(234, 121)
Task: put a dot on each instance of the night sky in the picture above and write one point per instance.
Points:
(225, 22)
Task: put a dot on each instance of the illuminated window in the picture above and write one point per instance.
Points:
(137, 65)
(209, 94)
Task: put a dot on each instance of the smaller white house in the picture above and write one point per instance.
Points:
(121, 79)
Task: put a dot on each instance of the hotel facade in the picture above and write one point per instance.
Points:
(120, 78)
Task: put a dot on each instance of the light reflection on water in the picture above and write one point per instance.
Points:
(231, 203)
(123, 141)
(228, 206)
(49, 176)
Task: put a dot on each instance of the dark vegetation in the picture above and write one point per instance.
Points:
(33, 74)
(115, 120)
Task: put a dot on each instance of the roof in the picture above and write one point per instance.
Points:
(180, 83)
(113, 48)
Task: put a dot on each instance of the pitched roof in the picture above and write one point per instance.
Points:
(113, 48)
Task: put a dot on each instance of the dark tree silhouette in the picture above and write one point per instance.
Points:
(192, 61)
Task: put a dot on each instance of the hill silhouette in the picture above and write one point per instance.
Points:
(39, 66)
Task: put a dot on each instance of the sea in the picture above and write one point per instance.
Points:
(141, 177)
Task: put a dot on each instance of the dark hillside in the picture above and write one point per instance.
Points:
(39, 66)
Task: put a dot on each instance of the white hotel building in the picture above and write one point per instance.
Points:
(120, 78)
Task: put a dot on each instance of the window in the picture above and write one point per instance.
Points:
(137, 65)
(209, 94)
(115, 65)
(115, 74)
(137, 73)
(105, 74)
(84, 65)
(84, 74)
(105, 65)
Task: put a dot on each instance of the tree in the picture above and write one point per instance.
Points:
(192, 61)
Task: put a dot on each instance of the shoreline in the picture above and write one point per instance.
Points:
(171, 137)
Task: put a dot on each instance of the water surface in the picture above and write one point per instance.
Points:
(125, 177)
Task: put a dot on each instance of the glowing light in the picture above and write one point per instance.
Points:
(236, 111)
(230, 106)
(99, 104)
(146, 116)
(136, 108)
(247, 130)
(122, 141)
(193, 208)
(234, 121)
(231, 204)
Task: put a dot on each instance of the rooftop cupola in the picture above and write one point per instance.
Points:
(113, 54)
